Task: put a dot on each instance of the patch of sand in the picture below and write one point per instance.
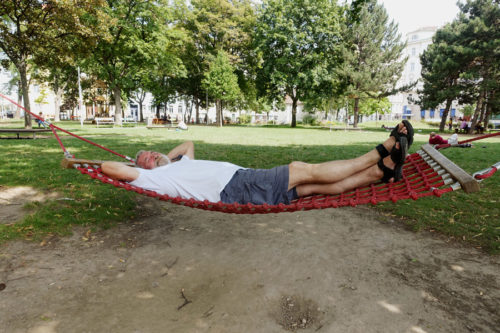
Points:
(13, 199)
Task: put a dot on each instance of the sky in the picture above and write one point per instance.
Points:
(413, 14)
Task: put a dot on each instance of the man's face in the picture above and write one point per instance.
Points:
(151, 160)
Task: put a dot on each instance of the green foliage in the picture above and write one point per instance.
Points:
(212, 26)
(31, 28)
(462, 63)
(245, 118)
(370, 106)
(468, 110)
(298, 42)
(372, 54)
(309, 119)
(220, 80)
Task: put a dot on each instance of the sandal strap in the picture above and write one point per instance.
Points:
(398, 155)
(382, 151)
(388, 173)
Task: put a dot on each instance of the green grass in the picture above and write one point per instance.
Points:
(474, 218)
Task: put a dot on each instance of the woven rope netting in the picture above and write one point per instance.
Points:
(422, 178)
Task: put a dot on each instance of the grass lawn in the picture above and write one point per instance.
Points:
(474, 218)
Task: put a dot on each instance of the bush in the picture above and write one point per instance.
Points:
(309, 120)
(245, 119)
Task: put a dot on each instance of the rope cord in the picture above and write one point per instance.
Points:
(52, 126)
(447, 145)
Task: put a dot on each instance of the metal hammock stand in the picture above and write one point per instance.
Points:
(425, 173)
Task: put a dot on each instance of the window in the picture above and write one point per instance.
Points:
(412, 66)
(413, 51)
(414, 37)
(422, 114)
(179, 109)
(170, 109)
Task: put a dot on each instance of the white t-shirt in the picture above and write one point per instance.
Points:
(187, 178)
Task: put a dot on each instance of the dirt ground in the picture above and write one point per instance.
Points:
(178, 269)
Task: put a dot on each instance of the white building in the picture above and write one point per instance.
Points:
(404, 104)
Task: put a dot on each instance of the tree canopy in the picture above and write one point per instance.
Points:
(298, 42)
(463, 62)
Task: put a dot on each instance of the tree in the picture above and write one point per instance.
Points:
(298, 42)
(30, 27)
(372, 55)
(139, 39)
(212, 26)
(479, 44)
(221, 83)
(463, 61)
(442, 66)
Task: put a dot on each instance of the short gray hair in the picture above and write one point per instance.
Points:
(139, 153)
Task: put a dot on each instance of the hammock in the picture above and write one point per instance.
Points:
(425, 173)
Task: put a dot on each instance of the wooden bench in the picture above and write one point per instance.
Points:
(19, 131)
(105, 121)
(493, 130)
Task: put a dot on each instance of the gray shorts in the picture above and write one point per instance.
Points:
(259, 186)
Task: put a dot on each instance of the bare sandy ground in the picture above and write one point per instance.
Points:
(178, 269)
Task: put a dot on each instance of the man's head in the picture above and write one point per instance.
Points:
(150, 159)
(433, 134)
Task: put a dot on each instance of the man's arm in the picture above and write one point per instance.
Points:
(119, 171)
(186, 148)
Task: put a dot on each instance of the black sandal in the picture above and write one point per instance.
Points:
(382, 151)
(408, 136)
(398, 156)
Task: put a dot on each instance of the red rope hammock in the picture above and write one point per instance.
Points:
(420, 179)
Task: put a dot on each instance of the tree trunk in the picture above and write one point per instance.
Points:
(21, 66)
(356, 112)
(294, 111)
(19, 100)
(118, 105)
(489, 109)
(477, 112)
(57, 102)
(197, 102)
(483, 109)
(158, 110)
(219, 118)
(442, 124)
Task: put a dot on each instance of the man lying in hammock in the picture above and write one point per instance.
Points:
(221, 181)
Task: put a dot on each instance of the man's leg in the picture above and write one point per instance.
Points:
(365, 177)
(334, 171)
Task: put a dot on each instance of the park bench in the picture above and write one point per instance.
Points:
(129, 121)
(104, 121)
(20, 131)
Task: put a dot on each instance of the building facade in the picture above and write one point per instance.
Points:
(404, 105)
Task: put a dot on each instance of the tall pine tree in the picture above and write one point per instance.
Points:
(372, 55)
